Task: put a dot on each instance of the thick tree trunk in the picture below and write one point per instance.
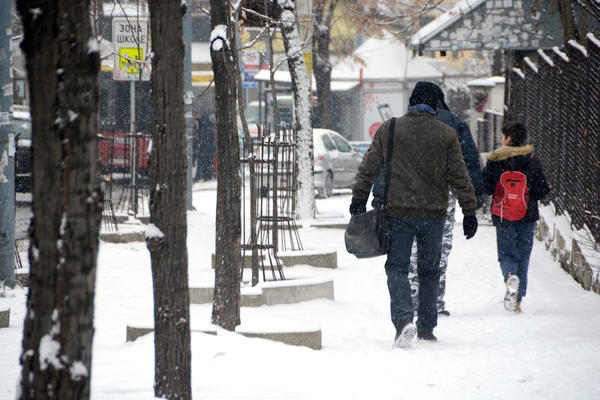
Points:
(322, 68)
(321, 63)
(567, 20)
(62, 64)
(226, 304)
(303, 128)
(167, 238)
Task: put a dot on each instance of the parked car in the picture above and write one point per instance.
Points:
(336, 161)
(22, 131)
(362, 147)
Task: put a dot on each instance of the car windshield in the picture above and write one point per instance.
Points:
(22, 127)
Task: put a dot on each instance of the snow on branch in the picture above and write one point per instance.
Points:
(259, 15)
(218, 38)
(255, 40)
(154, 232)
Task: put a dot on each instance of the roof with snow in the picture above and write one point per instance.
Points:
(384, 59)
(445, 20)
(491, 24)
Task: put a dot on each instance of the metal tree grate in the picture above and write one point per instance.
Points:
(269, 190)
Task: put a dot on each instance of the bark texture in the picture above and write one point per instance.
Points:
(323, 11)
(226, 303)
(567, 20)
(302, 122)
(168, 244)
(62, 64)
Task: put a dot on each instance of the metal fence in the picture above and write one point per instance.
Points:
(489, 130)
(558, 97)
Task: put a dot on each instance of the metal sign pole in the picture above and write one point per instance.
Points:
(7, 156)
(133, 146)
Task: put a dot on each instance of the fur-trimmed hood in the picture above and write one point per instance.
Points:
(505, 152)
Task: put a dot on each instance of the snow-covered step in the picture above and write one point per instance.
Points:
(331, 224)
(295, 333)
(314, 258)
(4, 318)
(271, 293)
(292, 332)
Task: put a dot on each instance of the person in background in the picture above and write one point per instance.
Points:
(514, 235)
(470, 155)
(204, 148)
(427, 162)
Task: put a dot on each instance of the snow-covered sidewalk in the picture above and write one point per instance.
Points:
(550, 351)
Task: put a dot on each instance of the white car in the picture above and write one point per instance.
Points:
(336, 161)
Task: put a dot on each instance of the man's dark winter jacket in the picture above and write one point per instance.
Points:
(467, 145)
(512, 159)
(426, 163)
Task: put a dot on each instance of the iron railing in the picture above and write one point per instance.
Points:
(558, 97)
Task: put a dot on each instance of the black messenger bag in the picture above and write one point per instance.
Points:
(367, 233)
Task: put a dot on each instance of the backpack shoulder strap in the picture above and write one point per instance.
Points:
(388, 160)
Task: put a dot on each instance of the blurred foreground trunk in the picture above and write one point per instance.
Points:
(167, 238)
(226, 303)
(62, 62)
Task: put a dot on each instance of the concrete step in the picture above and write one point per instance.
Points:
(280, 330)
(4, 318)
(314, 258)
(335, 224)
(123, 236)
(134, 332)
(274, 292)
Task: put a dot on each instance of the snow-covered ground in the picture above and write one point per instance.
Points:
(550, 351)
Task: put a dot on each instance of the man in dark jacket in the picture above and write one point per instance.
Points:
(471, 158)
(426, 163)
(514, 237)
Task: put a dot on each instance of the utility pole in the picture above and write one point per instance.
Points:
(187, 87)
(7, 156)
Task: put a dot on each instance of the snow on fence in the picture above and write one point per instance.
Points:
(558, 99)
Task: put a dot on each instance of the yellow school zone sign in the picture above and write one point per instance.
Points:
(131, 43)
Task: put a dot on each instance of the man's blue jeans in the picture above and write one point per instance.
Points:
(514, 249)
(428, 234)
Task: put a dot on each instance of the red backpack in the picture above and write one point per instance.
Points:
(511, 196)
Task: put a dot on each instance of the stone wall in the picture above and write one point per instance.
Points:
(568, 252)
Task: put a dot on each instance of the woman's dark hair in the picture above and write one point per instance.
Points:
(517, 132)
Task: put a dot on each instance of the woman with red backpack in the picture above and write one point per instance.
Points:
(515, 178)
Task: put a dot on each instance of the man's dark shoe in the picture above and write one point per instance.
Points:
(426, 335)
(444, 312)
(405, 334)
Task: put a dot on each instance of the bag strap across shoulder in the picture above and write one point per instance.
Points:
(388, 161)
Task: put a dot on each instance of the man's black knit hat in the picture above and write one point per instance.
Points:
(428, 93)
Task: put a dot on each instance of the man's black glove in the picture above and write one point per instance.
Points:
(357, 207)
(479, 201)
(469, 226)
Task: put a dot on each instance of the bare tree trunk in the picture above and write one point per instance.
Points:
(567, 19)
(303, 128)
(62, 65)
(321, 62)
(226, 304)
(167, 238)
